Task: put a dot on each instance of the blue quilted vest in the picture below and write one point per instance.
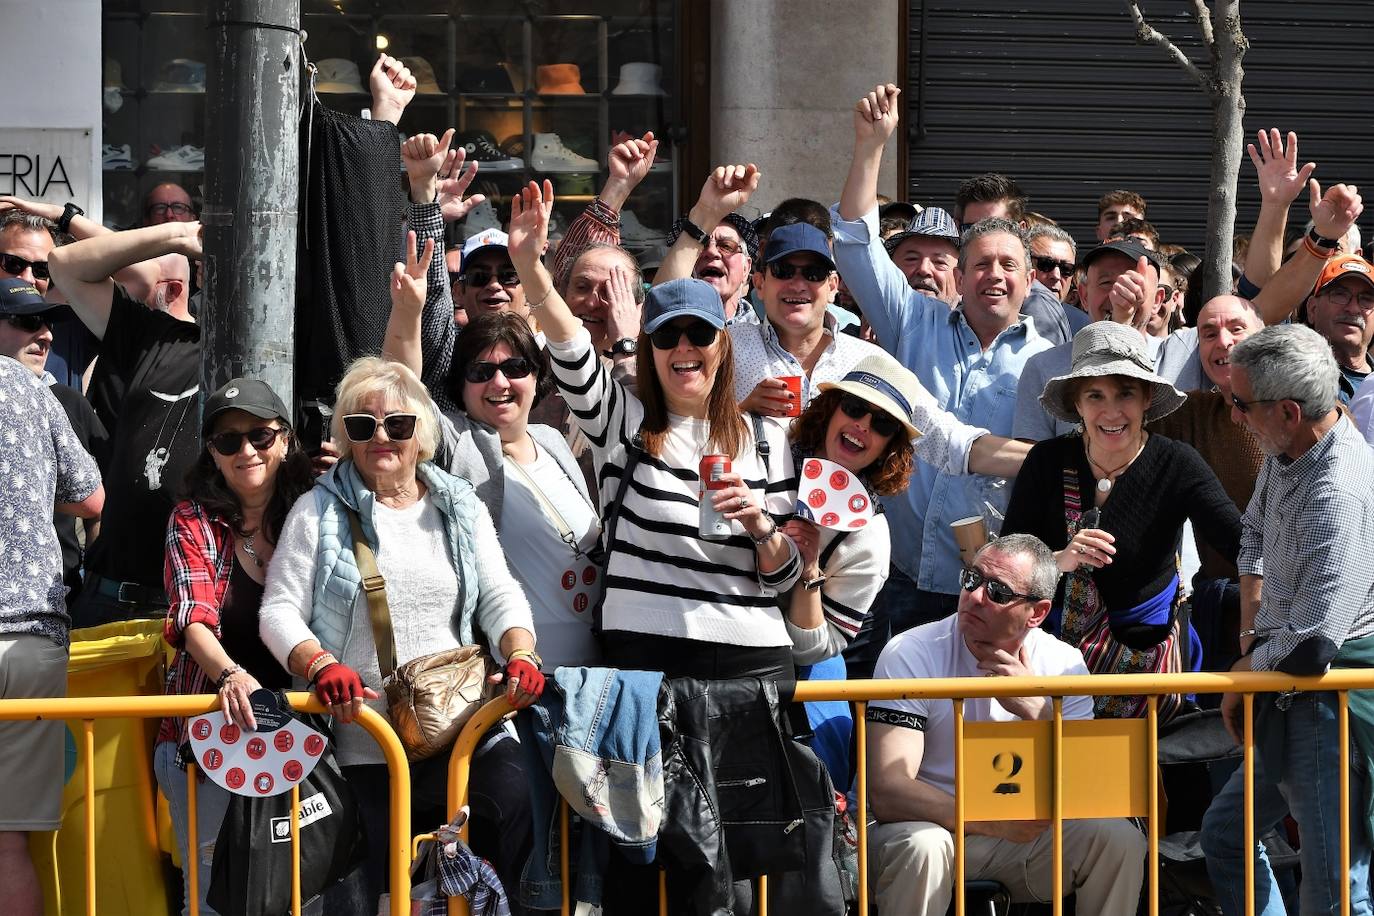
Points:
(337, 579)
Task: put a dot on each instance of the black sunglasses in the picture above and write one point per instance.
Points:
(515, 367)
(479, 278)
(1045, 265)
(30, 324)
(999, 592)
(811, 273)
(260, 437)
(13, 264)
(699, 334)
(360, 427)
(857, 408)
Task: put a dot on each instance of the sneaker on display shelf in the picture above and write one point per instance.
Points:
(632, 230)
(481, 218)
(481, 148)
(116, 158)
(551, 155)
(185, 158)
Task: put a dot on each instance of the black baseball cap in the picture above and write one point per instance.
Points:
(20, 297)
(1131, 248)
(248, 395)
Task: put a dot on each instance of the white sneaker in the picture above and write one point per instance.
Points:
(116, 158)
(479, 219)
(551, 155)
(186, 158)
(632, 230)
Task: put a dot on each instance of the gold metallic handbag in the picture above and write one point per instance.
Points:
(429, 699)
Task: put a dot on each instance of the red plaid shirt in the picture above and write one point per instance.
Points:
(200, 557)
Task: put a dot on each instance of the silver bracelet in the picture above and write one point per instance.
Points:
(540, 304)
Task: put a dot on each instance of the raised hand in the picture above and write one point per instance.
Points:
(1132, 296)
(190, 239)
(1334, 212)
(408, 280)
(1276, 166)
(529, 223)
(424, 156)
(622, 311)
(631, 160)
(728, 188)
(454, 180)
(876, 116)
(392, 87)
(50, 212)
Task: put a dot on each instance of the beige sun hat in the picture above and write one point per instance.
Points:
(886, 384)
(1106, 348)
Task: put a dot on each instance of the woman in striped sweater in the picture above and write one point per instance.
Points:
(674, 601)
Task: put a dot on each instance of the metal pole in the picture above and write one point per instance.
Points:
(251, 193)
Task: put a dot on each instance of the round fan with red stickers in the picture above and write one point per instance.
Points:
(832, 497)
(265, 762)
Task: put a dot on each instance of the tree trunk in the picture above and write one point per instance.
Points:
(1228, 139)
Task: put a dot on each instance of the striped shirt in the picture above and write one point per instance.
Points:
(663, 578)
(1308, 531)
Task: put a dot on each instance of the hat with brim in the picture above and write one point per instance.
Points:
(798, 238)
(886, 384)
(486, 240)
(20, 297)
(246, 394)
(1128, 247)
(687, 298)
(1106, 348)
(1347, 265)
(930, 223)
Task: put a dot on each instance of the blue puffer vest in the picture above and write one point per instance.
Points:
(337, 579)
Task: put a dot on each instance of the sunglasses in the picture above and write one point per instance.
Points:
(999, 592)
(479, 278)
(29, 324)
(361, 427)
(1046, 265)
(1244, 406)
(515, 367)
(260, 437)
(13, 264)
(179, 210)
(856, 409)
(811, 273)
(699, 334)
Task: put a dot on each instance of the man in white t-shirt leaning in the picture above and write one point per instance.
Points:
(995, 633)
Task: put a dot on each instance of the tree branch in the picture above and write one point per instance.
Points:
(1147, 34)
(1204, 21)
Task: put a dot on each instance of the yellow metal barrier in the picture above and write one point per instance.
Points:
(88, 709)
(1133, 743)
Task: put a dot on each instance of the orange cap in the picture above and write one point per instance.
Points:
(1342, 266)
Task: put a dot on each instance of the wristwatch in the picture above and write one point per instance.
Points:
(1325, 244)
(812, 585)
(625, 346)
(64, 222)
(695, 231)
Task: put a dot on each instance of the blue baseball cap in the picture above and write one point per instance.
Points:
(682, 298)
(20, 297)
(798, 237)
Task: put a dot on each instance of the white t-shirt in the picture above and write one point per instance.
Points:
(938, 650)
(561, 586)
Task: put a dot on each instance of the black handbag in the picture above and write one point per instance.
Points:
(251, 874)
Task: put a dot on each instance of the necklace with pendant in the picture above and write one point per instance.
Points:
(1104, 485)
(248, 549)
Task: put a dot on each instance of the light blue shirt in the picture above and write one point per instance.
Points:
(977, 386)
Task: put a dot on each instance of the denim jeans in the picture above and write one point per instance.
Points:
(211, 803)
(1297, 759)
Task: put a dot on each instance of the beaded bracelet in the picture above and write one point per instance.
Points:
(226, 674)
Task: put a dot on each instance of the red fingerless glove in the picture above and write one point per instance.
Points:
(337, 683)
(531, 679)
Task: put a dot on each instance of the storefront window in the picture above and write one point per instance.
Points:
(534, 90)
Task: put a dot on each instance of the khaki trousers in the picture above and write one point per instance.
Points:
(912, 870)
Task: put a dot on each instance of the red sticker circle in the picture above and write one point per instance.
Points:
(263, 783)
(839, 480)
(580, 602)
(589, 575)
(569, 580)
(830, 519)
(858, 523)
(816, 499)
(212, 759)
(283, 741)
(291, 770)
(858, 502)
(234, 778)
(229, 733)
(314, 745)
(257, 748)
(201, 729)
(812, 470)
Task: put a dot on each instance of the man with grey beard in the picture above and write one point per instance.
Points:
(1339, 311)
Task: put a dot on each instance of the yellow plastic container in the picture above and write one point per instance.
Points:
(117, 659)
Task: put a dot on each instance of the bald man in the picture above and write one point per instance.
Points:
(168, 203)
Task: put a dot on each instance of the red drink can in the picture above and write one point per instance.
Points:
(712, 524)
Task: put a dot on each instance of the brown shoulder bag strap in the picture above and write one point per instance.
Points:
(375, 588)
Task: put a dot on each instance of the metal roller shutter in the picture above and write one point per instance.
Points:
(1057, 94)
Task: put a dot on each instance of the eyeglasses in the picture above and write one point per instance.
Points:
(361, 427)
(260, 437)
(1244, 406)
(699, 334)
(29, 324)
(1046, 265)
(811, 273)
(13, 264)
(479, 278)
(726, 246)
(179, 210)
(1338, 296)
(515, 367)
(999, 592)
(857, 408)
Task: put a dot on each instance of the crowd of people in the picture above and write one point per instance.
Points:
(573, 464)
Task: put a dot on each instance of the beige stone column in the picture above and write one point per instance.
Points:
(784, 77)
